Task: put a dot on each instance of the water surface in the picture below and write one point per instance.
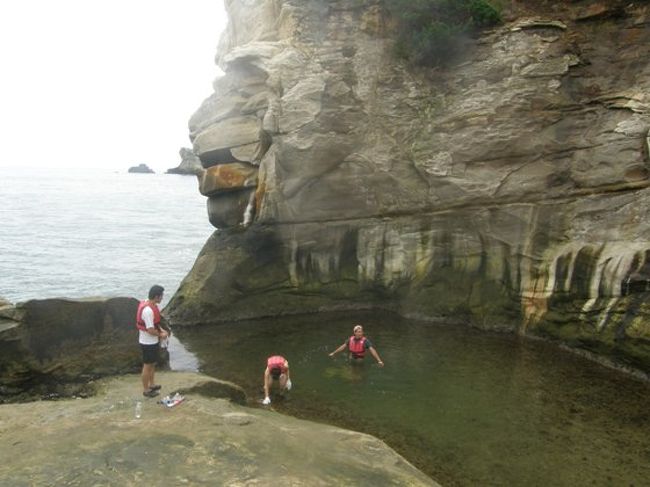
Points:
(72, 233)
(466, 407)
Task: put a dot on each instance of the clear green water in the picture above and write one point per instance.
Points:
(466, 407)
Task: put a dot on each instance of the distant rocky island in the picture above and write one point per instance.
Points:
(190, 164)
(142, 169)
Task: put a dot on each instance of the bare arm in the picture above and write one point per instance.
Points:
(160, 334)
(164, 324)
(376, 355)
(340, 349)
(147, 317)
(267, 377)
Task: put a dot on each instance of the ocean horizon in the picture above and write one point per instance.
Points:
(97, 232)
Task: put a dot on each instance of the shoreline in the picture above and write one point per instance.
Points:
(207, 439)
(54, 378)
(108, 333)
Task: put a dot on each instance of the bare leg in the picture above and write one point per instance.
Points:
(147, 376)
(268, 381)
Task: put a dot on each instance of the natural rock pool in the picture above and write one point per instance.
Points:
(466, 407)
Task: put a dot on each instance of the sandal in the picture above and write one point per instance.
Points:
(150, 393)
(155, 387)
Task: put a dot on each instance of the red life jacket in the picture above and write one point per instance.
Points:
(357, 347)
(276, 362)
(139, 322)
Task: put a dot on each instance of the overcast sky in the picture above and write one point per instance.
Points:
(103, 83)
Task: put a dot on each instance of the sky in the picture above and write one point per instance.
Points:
(103, 84)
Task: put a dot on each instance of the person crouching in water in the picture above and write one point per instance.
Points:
(357, 345)
(277, 368)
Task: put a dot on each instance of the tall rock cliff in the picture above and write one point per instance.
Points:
(509, 190)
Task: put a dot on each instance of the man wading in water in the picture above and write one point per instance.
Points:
(150, 333)
(357, 345)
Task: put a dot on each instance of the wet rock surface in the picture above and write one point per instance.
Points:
(205, 440)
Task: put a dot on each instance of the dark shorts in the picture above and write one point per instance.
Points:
(149, 353)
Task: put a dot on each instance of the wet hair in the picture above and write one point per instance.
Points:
(357, 327)
(156, 291)
(275, 372)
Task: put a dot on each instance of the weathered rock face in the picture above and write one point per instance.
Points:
(510, 189)
(54, 347)
(203, 441)
(190, 164)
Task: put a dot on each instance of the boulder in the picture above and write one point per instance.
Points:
(227, 177)
(229, 209)
(231, 132)
(54, 347)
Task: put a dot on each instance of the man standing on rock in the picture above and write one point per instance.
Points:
(148, 322)
(357, 345)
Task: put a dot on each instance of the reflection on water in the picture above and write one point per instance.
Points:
(180, 358)
(467, 408)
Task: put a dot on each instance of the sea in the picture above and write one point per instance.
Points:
(74, 233)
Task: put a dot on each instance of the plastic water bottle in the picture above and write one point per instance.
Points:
(138, 409)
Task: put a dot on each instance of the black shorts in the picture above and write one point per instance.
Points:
(149, 353)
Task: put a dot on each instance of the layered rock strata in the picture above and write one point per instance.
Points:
(509, 190)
